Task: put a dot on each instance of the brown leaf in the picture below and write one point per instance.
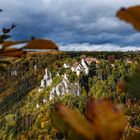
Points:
(10, 50)
(13, 54)
(106, 119)
(41, 44)
(76, 121)
(131, 15)
(134, 137)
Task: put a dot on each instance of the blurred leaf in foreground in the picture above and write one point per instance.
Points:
(76, 121)
(13, 53)
(103, 120)
(131, 15)
(134, 137)
(107, 120)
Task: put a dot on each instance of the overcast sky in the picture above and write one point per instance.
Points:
(70, 21)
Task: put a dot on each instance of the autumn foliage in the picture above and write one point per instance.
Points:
(103, 120)
(130, 15)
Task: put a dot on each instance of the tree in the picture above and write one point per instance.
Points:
(7, 51)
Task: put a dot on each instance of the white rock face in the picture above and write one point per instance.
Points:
(57, 74)
(72, 68)
(78, 72)
(65, 77)
(46, 81)
(42, 83)
(85, 66)
(82, 67)
(66, 66)
(35, 67)
(65, 87)
(44, 101)
(14, 73)
(112, 65)
(37, 106)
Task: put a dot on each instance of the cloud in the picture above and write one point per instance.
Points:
(102, 47)
(70, 21)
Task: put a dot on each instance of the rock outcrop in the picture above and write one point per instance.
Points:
(65, 87)
(47, 80)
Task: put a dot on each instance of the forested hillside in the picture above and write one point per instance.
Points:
(31, 86)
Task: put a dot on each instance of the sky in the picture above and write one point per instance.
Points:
(72, 24)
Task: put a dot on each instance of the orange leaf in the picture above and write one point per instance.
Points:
(76, 121)
(106, 119)
(13, 54)
(11, 49)
(41, 44)
(131, 15)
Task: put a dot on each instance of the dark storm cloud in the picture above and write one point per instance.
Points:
(70, 21)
